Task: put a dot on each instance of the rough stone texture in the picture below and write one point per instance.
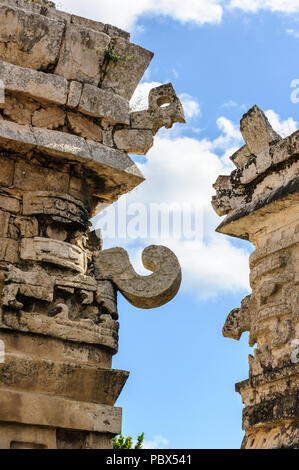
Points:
(135, 141)
(261, 201)
(164, 110)
(123, 74)
(58, 164)
(38, 85)
(257, 131)
(142, 292)
(85, 127)
(51, 118)
(90, 24)
(103, 161)
(104, 104)
(82, 54)
(74, 94)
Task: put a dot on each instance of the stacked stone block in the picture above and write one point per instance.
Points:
(261, 202)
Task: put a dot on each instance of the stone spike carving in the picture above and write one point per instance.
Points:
(65, 134)
(142, 291)
(261, 202)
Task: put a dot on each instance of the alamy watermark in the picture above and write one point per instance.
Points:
(295, 93)
(2, 352)
(160, 221)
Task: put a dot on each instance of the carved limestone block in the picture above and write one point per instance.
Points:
(87, 297)
(9, 202)
(74, 94)
(63, 328)
(241, 157)
(80, 282)
(141, 291)
(257, 131)
(104, 104)
(281, 333)
(9, 250)
(226, 199)
(29, 39)
(34, 284)
(85, 126)
(54, 252)
(268, 288)
(164, 110)
(51, 117)
(25, 227)
(38, 85)
(61, 207)
(238, 321)
(267, 177)
(82, 60)
(106, 297)
(65, 134)
(4, 223)
(123, 74)
(136, 141)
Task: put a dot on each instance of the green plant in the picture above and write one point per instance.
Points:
(110, 55)
(120, 442)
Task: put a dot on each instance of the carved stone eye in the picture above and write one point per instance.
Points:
(164, 101)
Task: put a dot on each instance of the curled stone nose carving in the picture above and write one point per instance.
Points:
(142, 291)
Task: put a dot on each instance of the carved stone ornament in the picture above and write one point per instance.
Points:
(261, 202)
(66, 132)
(150, 291)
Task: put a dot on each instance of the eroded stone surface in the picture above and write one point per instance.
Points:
(142, 291)
(164, 110)
(32, 83)
(82, 54)
(29, 39)
(65, 134)
(123, 74)
(74, 94)
(134, 140)
(104, 104)
(261, 200)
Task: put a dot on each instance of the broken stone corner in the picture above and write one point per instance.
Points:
(66, 132)
(260, 200)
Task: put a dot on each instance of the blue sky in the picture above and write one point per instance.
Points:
(222, 58)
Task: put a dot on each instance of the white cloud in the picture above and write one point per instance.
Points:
(181, 171)
(285, 6)
(283, 127)
(190, 105)
(139, 100)
(293, 32)
(230, 104)
(230, 136)
(126, 13)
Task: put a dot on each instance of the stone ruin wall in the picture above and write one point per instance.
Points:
(65, 134)
(261, 202)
